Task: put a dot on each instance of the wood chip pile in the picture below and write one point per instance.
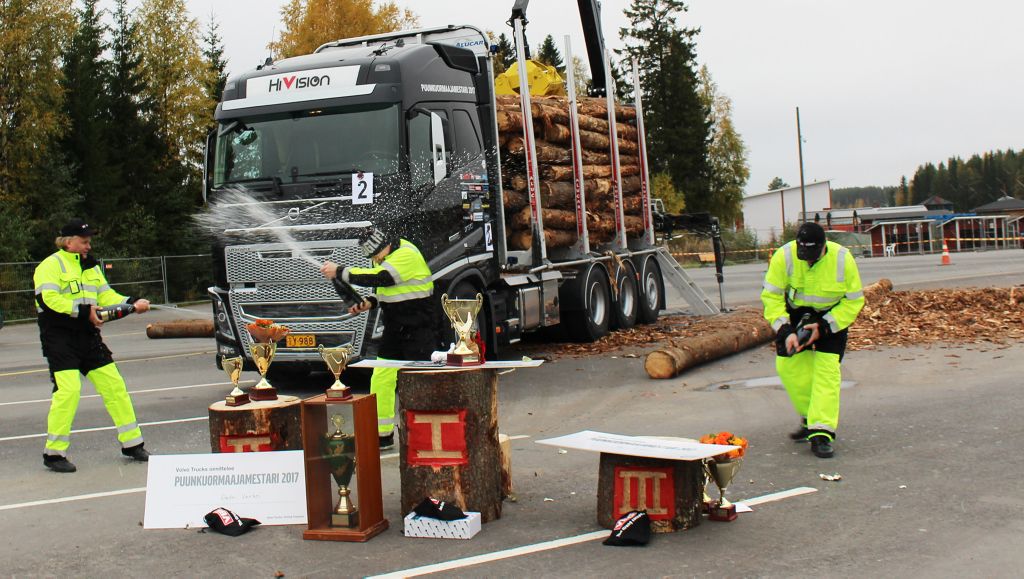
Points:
(955, 316)
(554, 162)
(890, 318)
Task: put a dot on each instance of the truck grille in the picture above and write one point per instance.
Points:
(273, 281)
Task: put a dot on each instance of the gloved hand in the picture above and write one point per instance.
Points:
(784, 332)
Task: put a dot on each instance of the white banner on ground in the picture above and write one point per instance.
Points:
(426, 365)
(649, 446)
(267, 486)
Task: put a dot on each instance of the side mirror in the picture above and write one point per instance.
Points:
(440, 161)
(208, 154)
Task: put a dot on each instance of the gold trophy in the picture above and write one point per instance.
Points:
(462, 313)
(265, 335)
(722, 470)
(233, 368)
(336, 360)
(340, 452)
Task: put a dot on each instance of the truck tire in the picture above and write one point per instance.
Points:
(652, 291)
(627, 304)
(593, 321)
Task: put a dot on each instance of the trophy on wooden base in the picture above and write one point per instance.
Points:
(462, 314)
(336, 360)
(722, 470)
(265, 335)
(233, 368)
(340, 452)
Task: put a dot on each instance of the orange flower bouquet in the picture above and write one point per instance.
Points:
(266, 331)
(728, 438)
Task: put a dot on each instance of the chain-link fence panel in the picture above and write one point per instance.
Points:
(17, 291)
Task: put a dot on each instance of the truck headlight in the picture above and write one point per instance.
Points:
(221, 318)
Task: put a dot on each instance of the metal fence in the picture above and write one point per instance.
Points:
(167, 279)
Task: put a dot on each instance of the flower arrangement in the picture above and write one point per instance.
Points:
(263, 330)
(728, 438)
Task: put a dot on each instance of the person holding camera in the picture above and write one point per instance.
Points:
(812, 294)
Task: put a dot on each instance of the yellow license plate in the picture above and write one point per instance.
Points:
(300, 341)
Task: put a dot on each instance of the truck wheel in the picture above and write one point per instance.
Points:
(592, 322)
(628, 303)
(652, 291)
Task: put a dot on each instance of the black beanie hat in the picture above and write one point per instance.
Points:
(810, 239)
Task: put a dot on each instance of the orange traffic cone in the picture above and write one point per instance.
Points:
(945, 254)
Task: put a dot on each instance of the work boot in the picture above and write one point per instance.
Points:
(800, 434)
(58, 463)
(136, 453)
(386, 442)
(821, 446)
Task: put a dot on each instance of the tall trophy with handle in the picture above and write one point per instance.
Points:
(340, 452)
(462, 314)
(265, 335)
(233, 368)
(336, 360)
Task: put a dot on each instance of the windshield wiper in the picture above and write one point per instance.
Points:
(331, 173)
(274, 182)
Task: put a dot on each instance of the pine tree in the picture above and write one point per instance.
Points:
(213, 53)
(86, 143)
(505, 55)
(549, 54)
(777, 183)
(676, 121)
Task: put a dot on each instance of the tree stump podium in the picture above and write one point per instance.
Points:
(671, 491)
(256, 426)
(448, 439)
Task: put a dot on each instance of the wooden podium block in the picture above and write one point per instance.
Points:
(320, 497)
(671, 491)
(448, 439)
(256, 426)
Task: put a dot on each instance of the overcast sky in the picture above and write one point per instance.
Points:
(882, 86)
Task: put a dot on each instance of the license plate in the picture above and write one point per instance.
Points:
(300, 341)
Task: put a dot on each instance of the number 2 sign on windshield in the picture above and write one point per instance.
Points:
(362, 188)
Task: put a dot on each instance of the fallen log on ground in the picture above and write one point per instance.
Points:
(180, 329)
(738, 332)
(874, 291)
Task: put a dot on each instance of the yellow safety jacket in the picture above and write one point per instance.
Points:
(409, 272)
(832, 286)
(67, 287)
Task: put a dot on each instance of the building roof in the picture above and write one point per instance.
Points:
(797, 188)
(935, 200)
(1004, 203)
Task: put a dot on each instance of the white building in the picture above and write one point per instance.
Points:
(766, 213)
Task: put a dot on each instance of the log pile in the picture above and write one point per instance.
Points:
(554, 162)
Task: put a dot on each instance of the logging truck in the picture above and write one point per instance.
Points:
(405, 131)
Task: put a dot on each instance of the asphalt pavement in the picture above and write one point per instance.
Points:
(929, 473)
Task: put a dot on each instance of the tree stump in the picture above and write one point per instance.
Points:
(256, 426)
(448, 440)
(671, 491)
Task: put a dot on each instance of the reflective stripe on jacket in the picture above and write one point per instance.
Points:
(66, 289)
(408, 269)
(831, 285)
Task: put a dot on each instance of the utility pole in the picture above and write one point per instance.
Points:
(800, 150)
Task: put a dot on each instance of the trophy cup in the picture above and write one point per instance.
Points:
(265, 335)
(340, 452)
(722, 470)
(336, 360)
(233, 368)
(462, 313)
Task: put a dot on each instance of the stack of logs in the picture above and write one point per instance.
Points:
(554, 160)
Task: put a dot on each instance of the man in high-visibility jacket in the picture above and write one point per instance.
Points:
(70, 287)
(404, 286)
(812, 276)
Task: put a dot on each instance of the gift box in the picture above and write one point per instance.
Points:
(417, 526)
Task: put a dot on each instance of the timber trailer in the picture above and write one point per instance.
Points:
(399, 130)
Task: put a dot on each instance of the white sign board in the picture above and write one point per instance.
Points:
(362, 188)
(668, 448)
(300, 86)
(267, 486)
(428, 365)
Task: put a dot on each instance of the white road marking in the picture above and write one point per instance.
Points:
(101, 428)
(134, 392)
(74, 498)
(548, 545)
(39, 370)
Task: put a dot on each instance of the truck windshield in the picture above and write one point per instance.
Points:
(308, 146)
